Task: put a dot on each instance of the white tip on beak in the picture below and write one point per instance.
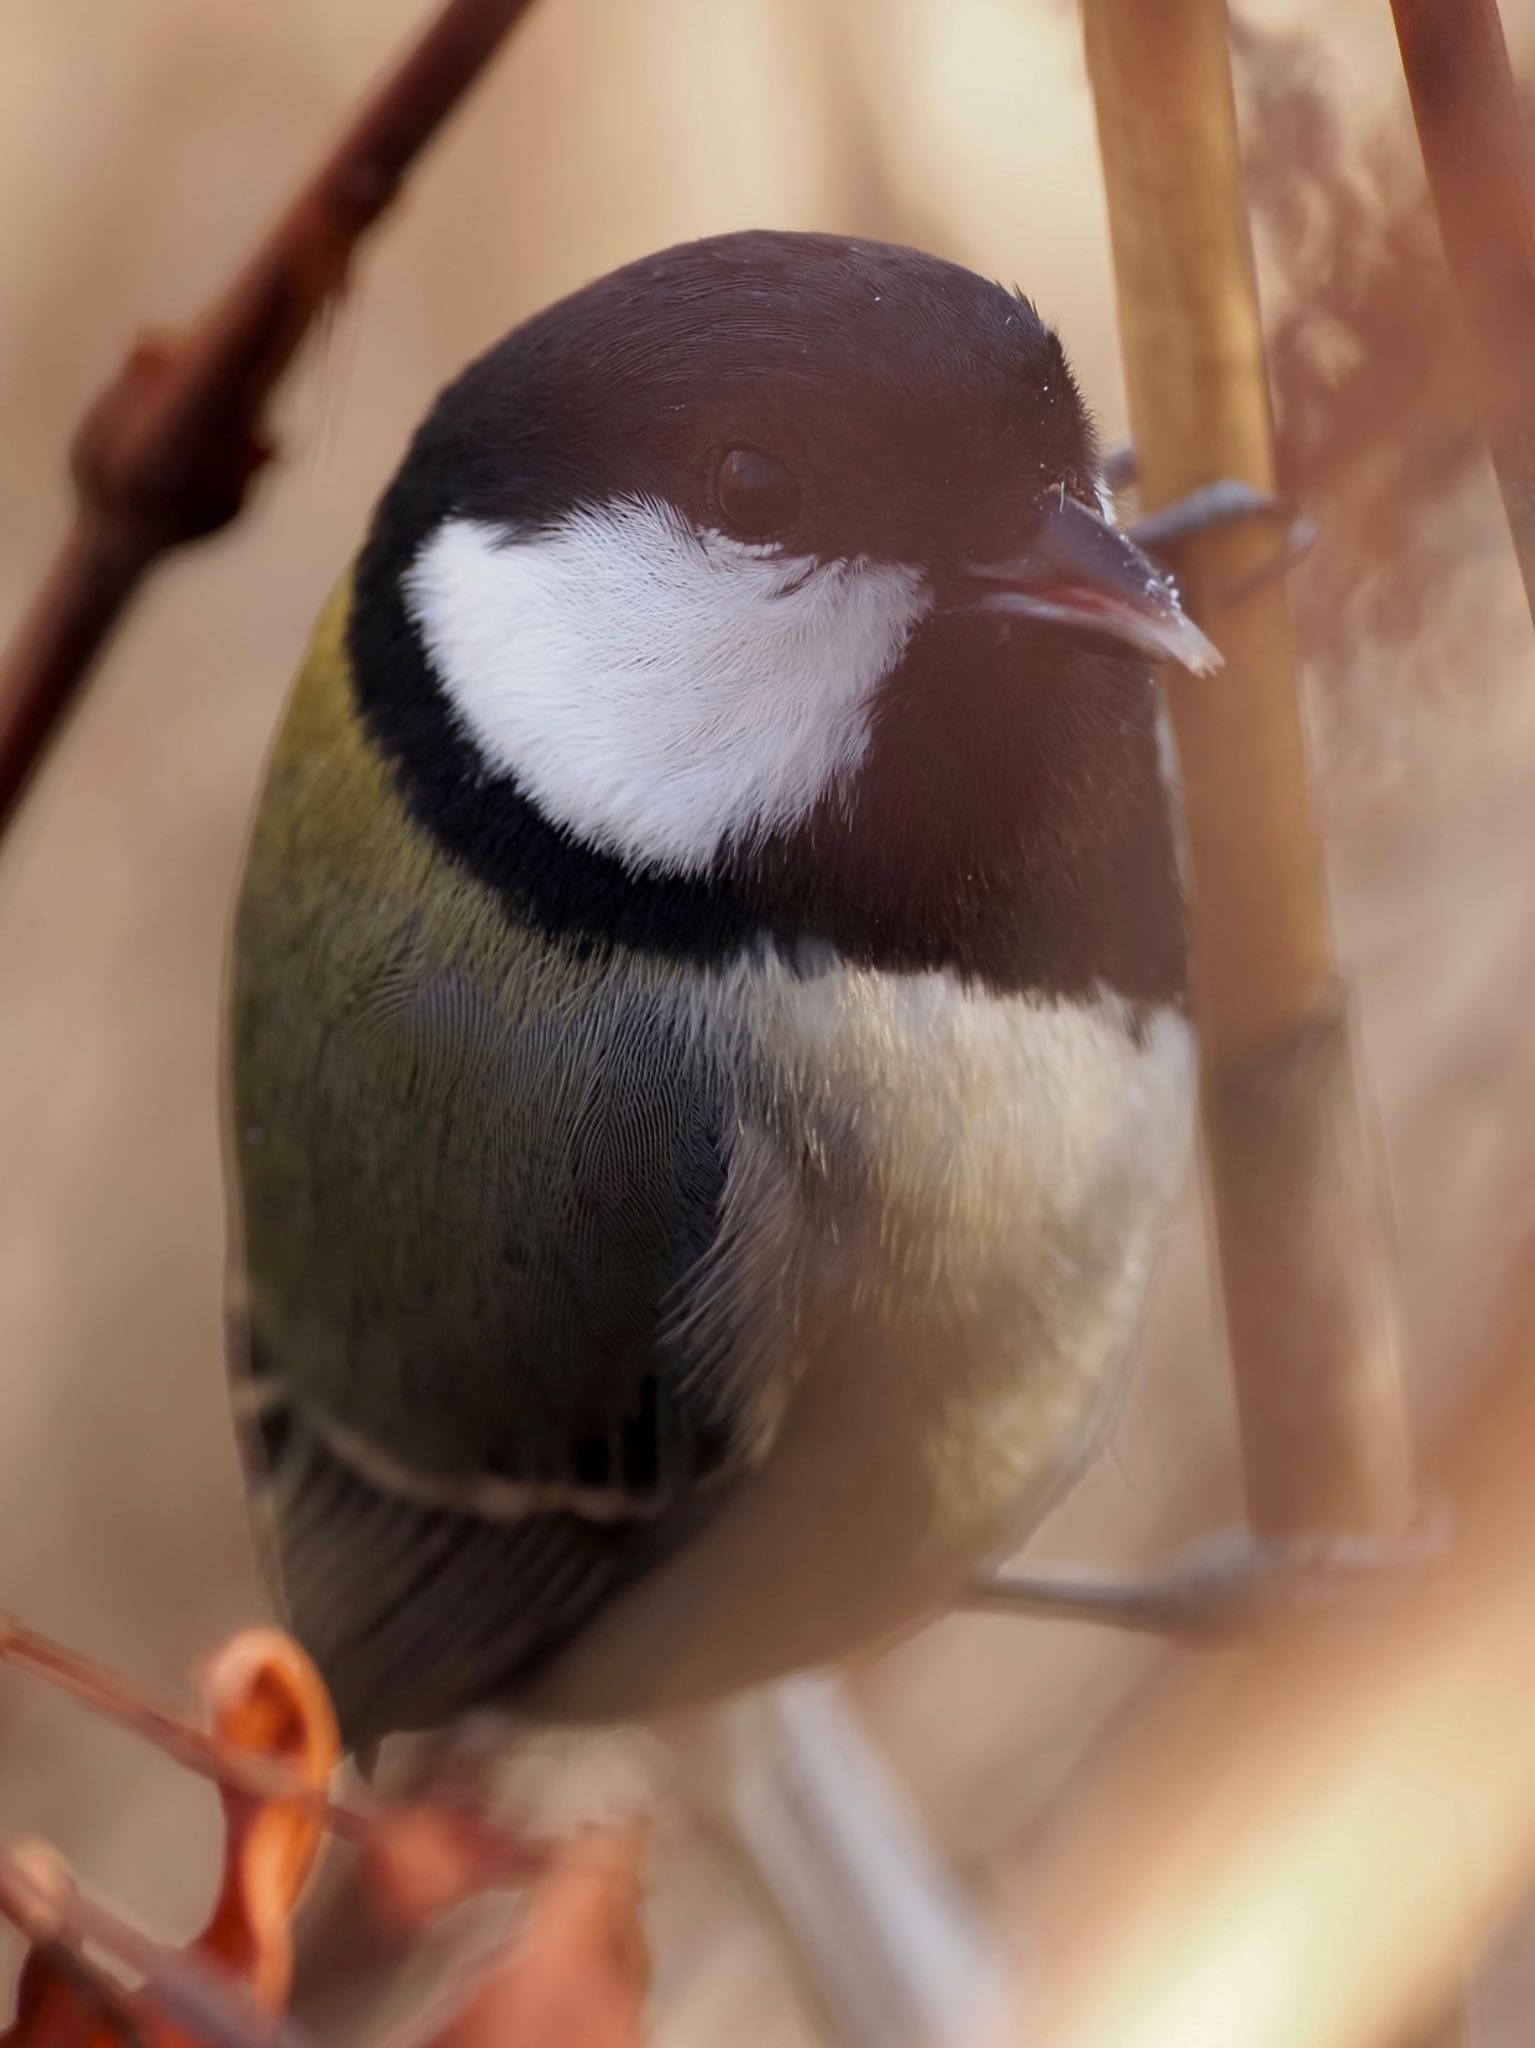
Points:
(1082, 573)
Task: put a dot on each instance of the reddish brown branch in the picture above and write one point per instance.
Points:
(166, 453)
(1478, 160)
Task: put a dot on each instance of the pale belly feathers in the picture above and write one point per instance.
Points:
(936, 1243)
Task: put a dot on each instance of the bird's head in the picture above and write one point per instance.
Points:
(769, 582)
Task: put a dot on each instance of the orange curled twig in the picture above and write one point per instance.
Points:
(231, 1985)
(265, 1696)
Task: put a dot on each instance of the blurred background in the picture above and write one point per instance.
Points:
(143, 145)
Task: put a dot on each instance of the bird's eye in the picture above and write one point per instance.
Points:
(757, 495)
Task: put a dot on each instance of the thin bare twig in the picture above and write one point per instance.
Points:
(494, 1855)
(166, 454)
(104, 1693)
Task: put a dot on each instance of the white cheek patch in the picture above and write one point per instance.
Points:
(657, 690)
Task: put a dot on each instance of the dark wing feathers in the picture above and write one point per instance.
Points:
(467, 1219)
(416, 1614)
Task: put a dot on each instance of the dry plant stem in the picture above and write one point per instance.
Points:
(166, 454)
(503, 1857)
(1302, 1242)
(52, 1913)
(1478, 159)
(1307, 1286)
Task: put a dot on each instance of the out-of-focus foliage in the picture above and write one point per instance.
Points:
(1377, 403)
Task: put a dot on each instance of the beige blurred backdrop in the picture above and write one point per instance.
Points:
(143, 143)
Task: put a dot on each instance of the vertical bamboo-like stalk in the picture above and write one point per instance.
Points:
(1304, 1256)
(1478, 159)
(1304, 1250)
(1302, 1237)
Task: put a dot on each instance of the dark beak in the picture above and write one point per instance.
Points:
(1083, 573)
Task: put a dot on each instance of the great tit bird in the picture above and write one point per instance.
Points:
(711, 1054)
